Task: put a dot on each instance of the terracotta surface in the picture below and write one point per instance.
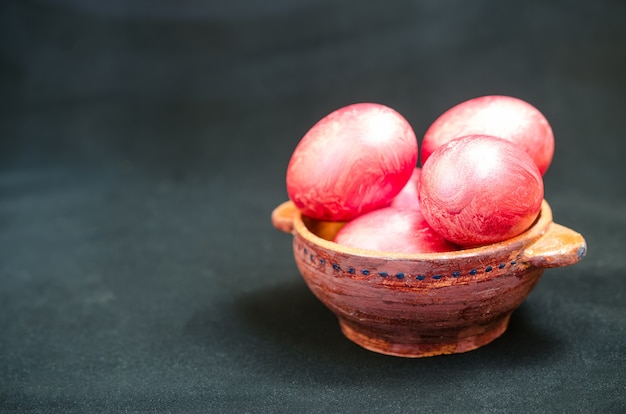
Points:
(417, 305)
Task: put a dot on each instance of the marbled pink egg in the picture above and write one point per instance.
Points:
(505, 117)
(393, 230)
(480, 189)
(408, 196)
(354, 160)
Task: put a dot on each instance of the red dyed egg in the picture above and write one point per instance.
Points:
(501, 116)
(408, 196)
(354, 160)
(480, 189)
(393, 230)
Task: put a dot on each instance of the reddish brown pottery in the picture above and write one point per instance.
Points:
(418, 305)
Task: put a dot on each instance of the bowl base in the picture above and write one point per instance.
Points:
(418, 346)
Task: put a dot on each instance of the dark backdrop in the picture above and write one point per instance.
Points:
(143, 145)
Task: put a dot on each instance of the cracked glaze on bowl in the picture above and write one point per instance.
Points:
(416, 305)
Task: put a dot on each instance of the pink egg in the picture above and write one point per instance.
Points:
(480, 189)
(354, 160)
(393, 230)
(407, 198)
(501, 116)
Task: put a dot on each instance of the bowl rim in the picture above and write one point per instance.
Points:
(534, 232)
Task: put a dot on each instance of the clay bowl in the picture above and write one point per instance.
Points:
(418, 305)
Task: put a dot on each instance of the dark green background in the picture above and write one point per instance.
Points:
(143, 146)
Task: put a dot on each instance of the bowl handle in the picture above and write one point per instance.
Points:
(282, 216)
(558, 247)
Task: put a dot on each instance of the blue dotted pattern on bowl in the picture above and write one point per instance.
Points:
(400, 275)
